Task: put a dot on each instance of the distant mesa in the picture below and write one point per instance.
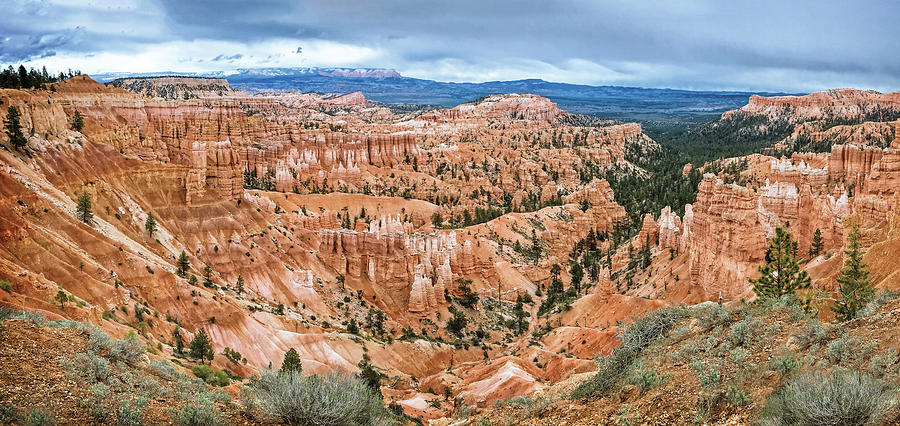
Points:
(176, 87)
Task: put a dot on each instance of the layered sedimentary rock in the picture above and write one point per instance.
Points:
(176, 87)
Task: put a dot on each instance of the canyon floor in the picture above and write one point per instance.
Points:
(478, 258)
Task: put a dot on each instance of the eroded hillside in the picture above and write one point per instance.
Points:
(473, 254)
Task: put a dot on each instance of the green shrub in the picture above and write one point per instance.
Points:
(812, 334)
(739, 355)
(63, 324)
(645, 379)
(290, 397)
(98, 340)
(710, 377)
(163, 368)
(131, 413)
(742, 332)
(635, 338)
(879, 301)
(738, 396)
(847, 349)
(39, 417)
(785, 364)
(211, 376)
(200, 414)
(885, 363)
(97, 402)
(6, 285)
(841, 398)
(129, 350)
(8, 413)
(711, 316)
(35, 318)
(92, 367)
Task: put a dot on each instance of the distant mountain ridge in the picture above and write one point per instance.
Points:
(389, 86)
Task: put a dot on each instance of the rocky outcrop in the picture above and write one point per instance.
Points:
(176, 87)
(726, 243)
(214, 172)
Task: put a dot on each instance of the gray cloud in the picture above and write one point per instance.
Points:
(763, 45)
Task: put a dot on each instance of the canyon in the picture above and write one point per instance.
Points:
(355, 231)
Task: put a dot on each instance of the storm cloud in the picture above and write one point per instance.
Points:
(761, 45)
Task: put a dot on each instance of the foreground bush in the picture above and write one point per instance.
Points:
(636, 337)
(841, 398)
(292, 398)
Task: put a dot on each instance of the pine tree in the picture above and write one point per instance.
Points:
(183, 264)
(201, 347)
(84, 208)
(855, 287)
(817, 244)
(240, 285)
(520, 314)
(150, 224)
(781, 274)
(14, 128)
(179, 341)
(62, 298)
(369, 375)
(577, 273)
(77, 121)
(291, 362)
(207, 276)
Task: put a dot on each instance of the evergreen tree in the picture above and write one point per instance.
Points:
(781, 274)
(817, 245)
(24, 81)
(77, 121)
(85, 214)
(577, 273)
(352, 328)
(201, 347)
(14, 128)
(291, 362)
(240, 285)
(207, 276)
(62, 298)
(520, 313)
(179, 341)
(183, 264)
(150, 224)
(369, 375)
(855, 287)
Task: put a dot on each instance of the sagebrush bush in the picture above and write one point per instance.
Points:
(200, 414)
(40, 417)
(813, 333)
(129, 350)
(35, 318)
(334, 399)
(742, 332)
(98, 341)
(635, 338)
(738, 396)
(712, 316)
(785, 364)
(841, 398)
(131, 413)
(645, 379)
(885, 363)
(8, 413)
(92, 367)
(879, 301)
(710, 377)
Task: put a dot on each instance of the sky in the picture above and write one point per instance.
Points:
(784, 45)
